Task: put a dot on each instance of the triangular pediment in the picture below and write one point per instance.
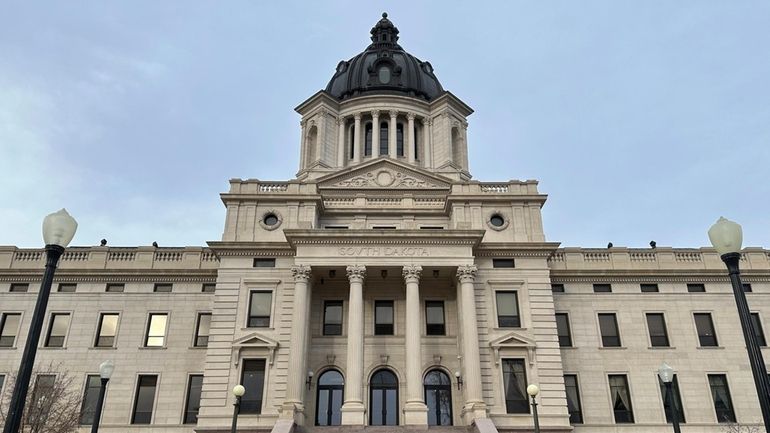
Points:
(255, 339)
(511, 340)
(384, 174)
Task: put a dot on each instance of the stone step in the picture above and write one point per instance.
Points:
(384, 429)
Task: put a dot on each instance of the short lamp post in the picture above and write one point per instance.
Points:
(666, 375)
(105, 372)
(727, 236)
(533, 390)
(459, 378)
(58, 230)
(238, 391)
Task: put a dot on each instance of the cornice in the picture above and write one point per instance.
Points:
(517, 249)
(654, 276)
(114, 276)
(270, 249)
(380, 237)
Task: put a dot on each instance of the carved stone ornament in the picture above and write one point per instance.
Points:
(301, 272)
(356, 273)
(375, 114)
(466, 273)
(412, 273)
(386, 178)
(340, 121)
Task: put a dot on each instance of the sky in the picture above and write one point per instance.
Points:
(641, 120)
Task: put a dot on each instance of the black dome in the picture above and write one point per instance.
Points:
(384, 68)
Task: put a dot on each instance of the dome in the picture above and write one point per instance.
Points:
(384, 68)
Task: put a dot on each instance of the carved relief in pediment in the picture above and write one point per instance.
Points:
(386, 177)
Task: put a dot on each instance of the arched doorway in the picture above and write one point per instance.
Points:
(383, 398)
(329, 398)
(438, 398)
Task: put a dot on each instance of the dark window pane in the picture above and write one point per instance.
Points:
(400, 139)
(747, 287)
(19, 287)
(332, 318)
(648, 288)
(163, 288)
(202, 330)
(67, 287)
(115, 288)
(156, 330)
(384, 138)
(193, 403)
(108, 328)
(57, 330)
(508, 310)
(696, 288)
(90, 397)
(209, 288)
(608, 325)
(563, 330)
(621, 399)
(515, 382)
(720, 393)
(253, 379)
(43, 389)
(145, 399)
(383, 399)
(602, 288)
(658, 333)
(9, 326)
(759, 333)
(368, 139)
(259, 309)
(667, 401)
(503, 263)
(573, 399)
(557, 288)
(705, 327)
(383, 318)
(434, 318)
(264, 263)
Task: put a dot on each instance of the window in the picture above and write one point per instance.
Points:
(508, 310)
(163, 288)
(696, 288)
(259, 309)
(336, 227)
(434, 318)
(202, 330)
(497, 220)
(431, 228)
(383, 227)
(19, 288)
(502, 263)
(562, 329)
(332, 318)
(270, 219)
(9, 326)
(747, 287)
(756, 323)
(67, 287)
(2, 381)
(115, 288)
(209, 288)
(649, 288)
(253, 379)
(438, 397)
(705, 327)
(107, 330)
(621, 399)
(328, 410)
(557, 288)
(383, 398)
(264, 263)
(720, 393)
(368, 139)
(43, 390)
(90, 399)
(383, 317)
(145, 399)
(57, 329)
(193, 403)
(602, 288)
(608, 325)
(352, 144)
(573, 399)
(384, 138)
(156, 330)
(656, 324)
(515, 384)
(416, 144)
(400, 139)
(667, 403)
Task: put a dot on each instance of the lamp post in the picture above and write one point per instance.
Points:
(58, 230)
(105, 372)
(727, 236)
(533, 390)
(238, 391)
(666, 375)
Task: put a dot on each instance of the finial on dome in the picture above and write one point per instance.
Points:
(384, 14)
(384, 34)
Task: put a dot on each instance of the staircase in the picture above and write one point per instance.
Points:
(384, 429)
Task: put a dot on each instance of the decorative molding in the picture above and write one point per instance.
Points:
(255, 340)
(411, 273)
(356, 273)
(375, 114)
(506, 220)
(274, 226)
(301, 273)
(466, 273)
(695, 277)
(393, 114)
(513, 340)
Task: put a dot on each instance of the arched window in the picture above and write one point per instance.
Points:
(383, 398)
(352, 147)
(400, 139)
(329, 398)
(368, 139)
(384, 138)
(456, 146)
(310, 144)
(438, 398)
(416, 144)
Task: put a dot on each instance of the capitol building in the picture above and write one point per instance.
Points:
(384, 286)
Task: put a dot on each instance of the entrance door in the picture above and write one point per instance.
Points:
(438, 398)
(383, 398)
(329, 398)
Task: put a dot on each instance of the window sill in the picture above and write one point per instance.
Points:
(152, 348)
(613, 348)
(711, 347)
(264, 328)
(508, 328)
(8, 348)
(52, 348)
(197, 347)
(103, 348)
(661, 347)
(567, 347)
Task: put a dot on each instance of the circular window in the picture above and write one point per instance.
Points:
(497, 220)
(270, 219)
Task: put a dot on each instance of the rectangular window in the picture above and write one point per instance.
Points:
(260, 304)
(515, 384)
(602, 288)
(621, 399)
(720, 393)
(383, 317)
(747, 287)
(336, 227)
(756, 323)
(383, 227)
(57, 329)
(115, 288)
(193, 403)
(90, 399)
(434, 318)
(557, 288)
(156, 330)
(107, 330)
(508, 310)
(503, 263)
(705, 327)
(9, 326)
(44, 386)
(608, 325)
(656, 324)
(563, 330)
(163, 288)
(67, 287)
(696, 288)
(667, 403)
(332, 318)
(2, 381)
(145, 399)
(573, 399)
(202, 330)
(209, 288)
(253, 379)
(649, 288)
(431, 228)
(19, 288)
(264, 263)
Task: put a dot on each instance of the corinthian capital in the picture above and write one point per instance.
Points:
(412, 273)
(340, 121)
(301, 272)
(375, 114)
(393, 113)
(466, 273)
(410, 116)
(356, 273)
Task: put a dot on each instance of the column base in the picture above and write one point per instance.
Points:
(473, 410)
(294, 411)
(415, 413)
(353, 413)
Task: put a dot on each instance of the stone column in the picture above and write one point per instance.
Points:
(340, 142)
(293, 407)
(410, 134)
(415, 411)
(474, 403)
(392, 134)
(427, 148)
(353, 410)
(375, 133)
(357, 139)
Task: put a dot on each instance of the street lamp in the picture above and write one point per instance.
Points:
(238, 391)
(666, 375)
(533, 390)
(58, 230)
(105, 372)
(727, 236)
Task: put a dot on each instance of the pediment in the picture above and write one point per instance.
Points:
(384, 174)
(513, 341)
(255, 341)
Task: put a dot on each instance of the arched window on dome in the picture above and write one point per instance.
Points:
(383, 138)
(368, 139)
(400, 139)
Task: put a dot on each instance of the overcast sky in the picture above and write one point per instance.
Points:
(642, 120)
